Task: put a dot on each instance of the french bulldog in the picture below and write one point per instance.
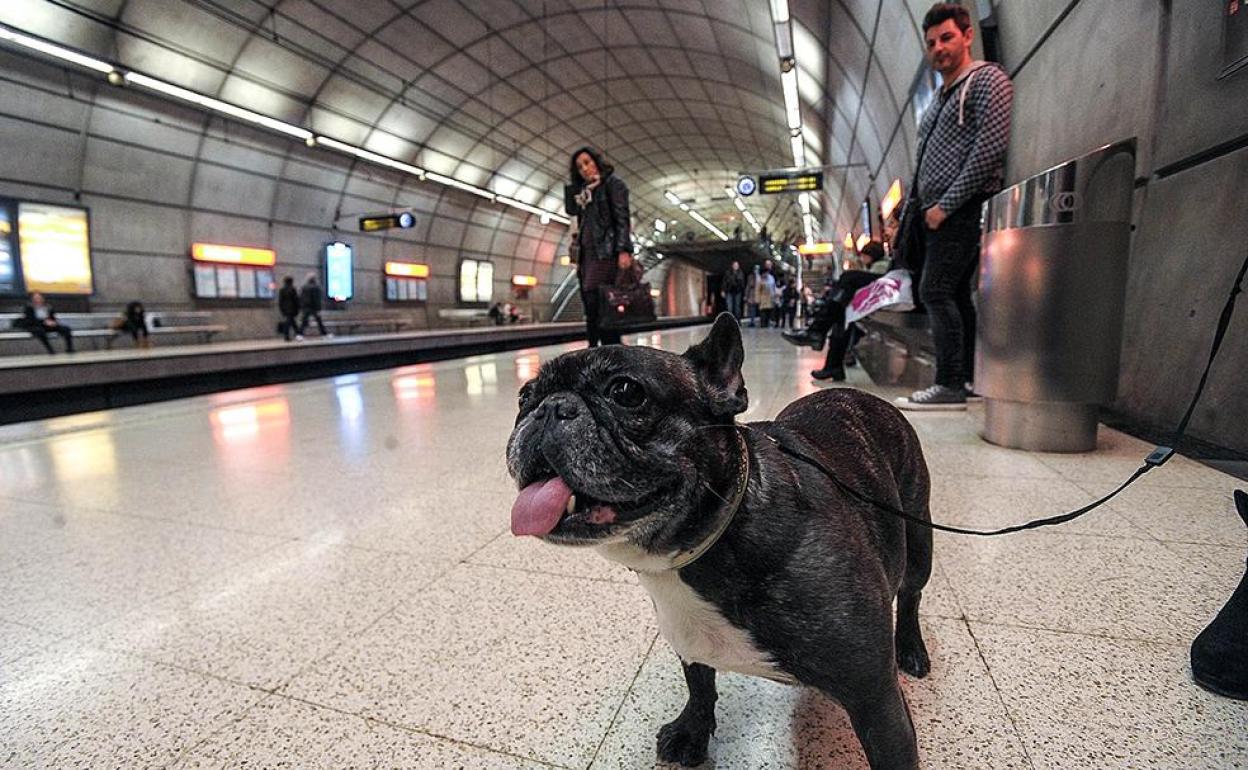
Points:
(755, 560)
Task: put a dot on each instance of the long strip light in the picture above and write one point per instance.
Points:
(216, 105)
(685, 207)
(783, 24)
(203, 101)
(55, 51)
(745, 212)
(370, 156)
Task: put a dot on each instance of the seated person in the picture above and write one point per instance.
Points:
(39, 319)
(829, 315)
(496, 314)
(511, 313)
(133, 321)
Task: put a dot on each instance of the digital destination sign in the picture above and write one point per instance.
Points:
(790, 182)
(339, 278)
(55, 248)
(403, 219)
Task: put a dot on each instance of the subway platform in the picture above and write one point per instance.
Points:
(321, 574)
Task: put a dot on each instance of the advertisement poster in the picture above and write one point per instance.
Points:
(339, 283)
(205, 281)
(55, 248)
(227, 282)
(9, 283)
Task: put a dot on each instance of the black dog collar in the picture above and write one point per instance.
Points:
(726, 513)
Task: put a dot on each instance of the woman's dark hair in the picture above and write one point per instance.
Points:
(604, 168)
(873, 249)
(941, 12)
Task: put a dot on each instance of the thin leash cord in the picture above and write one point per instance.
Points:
(1158, 457)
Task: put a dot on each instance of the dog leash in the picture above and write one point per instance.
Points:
(1158, 457)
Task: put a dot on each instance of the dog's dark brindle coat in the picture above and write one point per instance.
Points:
(804, 574)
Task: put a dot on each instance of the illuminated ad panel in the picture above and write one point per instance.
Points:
(55, 248)
(233, 255)
(339, 278)
(9, 282)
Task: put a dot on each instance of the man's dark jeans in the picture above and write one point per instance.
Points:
(951, 262)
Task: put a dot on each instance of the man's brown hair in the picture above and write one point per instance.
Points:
(941, 12)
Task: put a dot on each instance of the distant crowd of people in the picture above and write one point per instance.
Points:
(760, 297)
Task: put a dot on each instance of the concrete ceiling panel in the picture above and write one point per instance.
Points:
(415, 41)
(454, 21)
(654, 28)
(344, 95)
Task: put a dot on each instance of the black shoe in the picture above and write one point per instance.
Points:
(797, 338)
(851, 359)
(1220, 652)
(836, 375)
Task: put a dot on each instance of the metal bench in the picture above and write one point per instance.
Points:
(96, 327)
(897, 348)
(350, 325)
(469, 315)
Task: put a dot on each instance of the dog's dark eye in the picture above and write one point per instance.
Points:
(627, 393)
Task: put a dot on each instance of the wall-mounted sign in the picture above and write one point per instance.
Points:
(527, 281)
(864, 217)
(403, 219)
(476, 281)
(407, 270)
(233, 255)
(891, 199)
(746, 186)
(790, 182)
(339, 275)
(55, 248)
(1234, 37)
(813, 249)
(10, 280)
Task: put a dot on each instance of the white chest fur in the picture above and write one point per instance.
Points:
(699, 633)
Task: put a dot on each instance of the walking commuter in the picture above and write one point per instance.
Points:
(751, 294)
(962, 142)
(40, 320)
(604, 243)
(733, 288)
(288, 306)
(765, 294)
(311, 298)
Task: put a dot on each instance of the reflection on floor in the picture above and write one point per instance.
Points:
(321, 574)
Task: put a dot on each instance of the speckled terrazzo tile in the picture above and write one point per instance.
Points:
(265, 619)
(1054, 745)
(1184, 515)
(947, 427)
(1134, 589)
(523, 663)
(1218, 570)
(1118, 455)
(1096, 702)
(531, 554)
(91, 568)
(761, 724)
(939, 598)
(76, 706)
(951, 459)
(280, 732)
(18, 641)
(987, 502)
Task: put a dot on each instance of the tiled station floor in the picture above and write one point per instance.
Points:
(321, 575)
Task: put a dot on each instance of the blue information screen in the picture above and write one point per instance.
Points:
(9, 282)
(339, 282)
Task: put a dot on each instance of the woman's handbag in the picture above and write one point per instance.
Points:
(627, 303)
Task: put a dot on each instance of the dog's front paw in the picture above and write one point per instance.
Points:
(913, 660)
(684, 742)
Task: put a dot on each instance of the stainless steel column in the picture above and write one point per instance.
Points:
(1053, 274)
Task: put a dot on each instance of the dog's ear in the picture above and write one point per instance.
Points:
(717, 359)
(1241, 502)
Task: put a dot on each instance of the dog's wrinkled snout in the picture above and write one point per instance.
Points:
(559, 406)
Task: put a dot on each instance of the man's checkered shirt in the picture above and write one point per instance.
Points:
(970, 129)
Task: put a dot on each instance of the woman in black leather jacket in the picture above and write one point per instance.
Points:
(599, 199)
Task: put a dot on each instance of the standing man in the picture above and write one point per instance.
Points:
(733, 289)
(310, 301)
(288, 306)
(962, 141)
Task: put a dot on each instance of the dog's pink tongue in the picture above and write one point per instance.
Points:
(539, 507)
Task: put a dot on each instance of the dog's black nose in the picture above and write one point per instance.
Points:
(562, 407)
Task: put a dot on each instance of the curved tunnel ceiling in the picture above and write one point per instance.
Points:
(682, 95)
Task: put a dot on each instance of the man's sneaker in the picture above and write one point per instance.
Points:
(971, 396)
(934, 398)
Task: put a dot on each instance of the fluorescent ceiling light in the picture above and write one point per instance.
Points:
(217, 105)
(660, 226)
(671, 196)
(359, 152)
(452, 182)
(54, 50)
(684, 207)
(780, 11)
(792, 104)
(740, 204)
(798, 147)
(707, 224)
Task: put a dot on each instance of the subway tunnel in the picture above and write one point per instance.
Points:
(221, 547)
